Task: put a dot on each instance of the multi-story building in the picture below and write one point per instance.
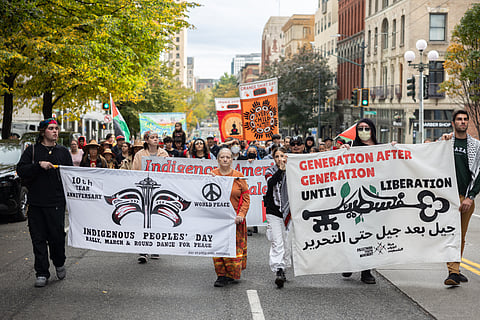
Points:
(249, 73)
(298, 33)
(239, 61)
(190, 74)
(201, 84)
(392, 28)
(272, 41)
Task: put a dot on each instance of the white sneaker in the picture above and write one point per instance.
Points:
(41, 282)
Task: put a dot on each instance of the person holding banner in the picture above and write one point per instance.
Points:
(278, 216)
(467, 162)
(366, 135)
(46, 200)
(229, 270)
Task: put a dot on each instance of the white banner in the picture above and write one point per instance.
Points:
(367, 207)
(149, 212)
(253, 171)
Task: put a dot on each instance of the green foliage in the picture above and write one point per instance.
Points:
(299, 81)
(462, 63)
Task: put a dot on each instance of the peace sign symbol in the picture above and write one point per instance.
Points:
(211, 192)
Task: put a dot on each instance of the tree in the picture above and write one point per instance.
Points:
(299, 80)
(77, 52)
(462, 63)
(226, 87)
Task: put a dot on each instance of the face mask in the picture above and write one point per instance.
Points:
(251, 155)
(364, 135)
(235, 149)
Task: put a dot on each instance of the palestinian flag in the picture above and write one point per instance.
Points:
(120, 127)
(348, 134)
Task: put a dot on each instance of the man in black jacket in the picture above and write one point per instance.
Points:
(46, 200)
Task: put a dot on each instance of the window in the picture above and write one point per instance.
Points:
(369, 41)
(178, 39)
(329, 19)
(384, 4)
(385, 34)
(402, 30)
(369, 7)
(375, 41)
(177, 55)
(321, 24)
(394, 33)
(436, 77)
(438, 24)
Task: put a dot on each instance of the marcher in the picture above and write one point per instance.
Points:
(212, 145)
(229, 270)
(117, 149)
(296, 145)
(309, 144)
(180, 147)
(179, 133)
(110, 159)
(82, 141)
(199, 149)
(150, 148)
(235, 148)
(278, 216)
(46, 200)
(127, 162)
(92, 157)
(76, 153)
(467, 162)
(366, 135)
(168, 142)
(124, 152)
(328, 143)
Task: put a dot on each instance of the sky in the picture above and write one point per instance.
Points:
(224, 28)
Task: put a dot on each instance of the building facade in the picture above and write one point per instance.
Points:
(392, 28)
(272, 41)
(298, 33)
(249, 73)
(190, 72)
(201, 84)
(239, 61)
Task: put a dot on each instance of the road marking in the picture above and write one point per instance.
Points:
(466, 266)
(476, 215)
(255, 306)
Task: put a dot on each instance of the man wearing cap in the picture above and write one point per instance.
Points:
(212, 145)
(46, 200)
(117, 149)
(296, 145)
(328, 143)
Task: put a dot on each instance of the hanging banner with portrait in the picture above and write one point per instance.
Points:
(229, 114)
(259, 109)
(373, 206)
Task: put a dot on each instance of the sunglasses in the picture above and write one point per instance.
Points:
(293, 144)
(364, 129)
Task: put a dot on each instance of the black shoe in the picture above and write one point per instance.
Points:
(220, 282)
(367, 277)
(280, 280)
(143, 258)
(452, 280)
(346, 274)
(249, 233)
(462, 278)
(229, 280)
(255, 229)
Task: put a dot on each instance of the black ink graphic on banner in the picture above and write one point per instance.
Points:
(211, 192)
(163, 202)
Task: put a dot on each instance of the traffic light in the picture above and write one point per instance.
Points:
(425, 87)
(103, 126)
(106, 106)
(411, 87)
(365, 96)
(355, 97)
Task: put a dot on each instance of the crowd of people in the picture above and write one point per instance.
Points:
(47, 209)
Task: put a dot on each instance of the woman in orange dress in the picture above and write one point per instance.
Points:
(229, 270)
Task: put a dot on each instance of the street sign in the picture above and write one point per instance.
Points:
(372, 113)
(107, 118)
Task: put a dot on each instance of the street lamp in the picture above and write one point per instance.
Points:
(410, 57)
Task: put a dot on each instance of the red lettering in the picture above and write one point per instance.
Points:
(303, 165)
(148, 165)
(189, 169)
(304, 180)
(258, 171)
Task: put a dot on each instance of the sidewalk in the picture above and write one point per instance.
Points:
(423, 283)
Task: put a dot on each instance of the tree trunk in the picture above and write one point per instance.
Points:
(47, 104)
(8, 106)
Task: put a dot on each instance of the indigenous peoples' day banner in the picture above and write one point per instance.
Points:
(162, 123)
(254, 172)
(149, 212)
(260, 109)
(229, 114)
(373, 206)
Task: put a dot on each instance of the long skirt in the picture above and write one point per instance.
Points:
(232, 267)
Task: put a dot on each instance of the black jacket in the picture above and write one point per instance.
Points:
(268, 202)
(44, 186)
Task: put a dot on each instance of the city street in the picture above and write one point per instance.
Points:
(114, 286)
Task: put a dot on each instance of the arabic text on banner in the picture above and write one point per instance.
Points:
(260, 109)
(368, 207)
(149, 212)
(253, 171)
(229, 114)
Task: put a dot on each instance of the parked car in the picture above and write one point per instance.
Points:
(13, 196)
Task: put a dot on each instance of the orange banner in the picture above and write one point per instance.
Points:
(229, 114)
(259, 102)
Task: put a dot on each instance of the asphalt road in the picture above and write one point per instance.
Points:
(102, 285)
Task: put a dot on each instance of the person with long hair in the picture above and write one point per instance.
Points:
(76, 153)
(199, 149)
(46, 200)
(229, 270)
(179, 133)
(278, 216)
(366, 135)
(127, 163)
(92, 157)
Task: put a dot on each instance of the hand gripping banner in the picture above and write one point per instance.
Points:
(229, 114)
(149, 212)
(374, 206)
(260, 109)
